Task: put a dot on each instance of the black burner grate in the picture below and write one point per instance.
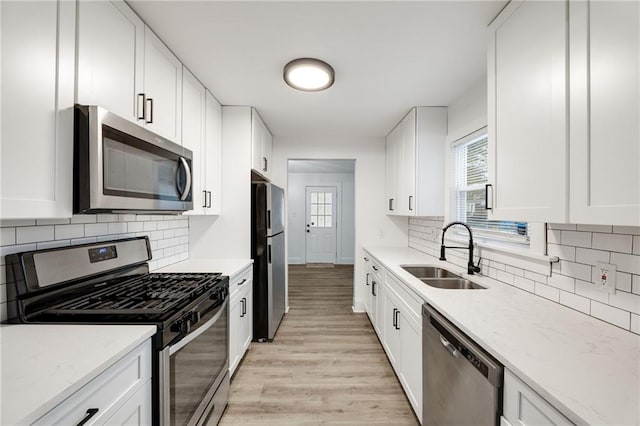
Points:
(145, 294)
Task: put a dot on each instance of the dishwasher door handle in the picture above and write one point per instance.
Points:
(452, 350)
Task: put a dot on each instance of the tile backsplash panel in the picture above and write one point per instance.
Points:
(168, 236)
(569, 282)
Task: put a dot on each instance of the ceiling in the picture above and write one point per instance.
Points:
(388, 56)
(321, 166)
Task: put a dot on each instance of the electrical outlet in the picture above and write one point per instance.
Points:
(605, 277)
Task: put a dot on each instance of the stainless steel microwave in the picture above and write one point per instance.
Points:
(122, 167)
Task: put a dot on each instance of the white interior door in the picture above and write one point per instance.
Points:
(321, 224)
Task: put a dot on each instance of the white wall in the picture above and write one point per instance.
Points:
(228, 236)
(373, 227)
(296, 223)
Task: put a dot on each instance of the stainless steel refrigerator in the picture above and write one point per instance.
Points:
(269, 263)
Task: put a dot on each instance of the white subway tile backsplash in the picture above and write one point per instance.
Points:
(623, 281)
(94, 229)
(579, 248)
(575, 270)
(626, 262)
(562, 282)
(10, 223)
(101, 218)
(127, 218)
(52, 244)
(577, 239)
(612, 242)
(69, 231)
(627, 301)
(576, 302)
(591, 257)
(32, 234)
(150, 226)
(7, 236)
(84, 218)
(547, 292)
(611, 315)
(563, 252)
(40, 222)
(135, 226)
(117, 228)
(85, 240)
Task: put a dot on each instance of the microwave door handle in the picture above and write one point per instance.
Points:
(187, 187)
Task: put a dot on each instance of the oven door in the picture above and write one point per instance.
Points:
(193, 369)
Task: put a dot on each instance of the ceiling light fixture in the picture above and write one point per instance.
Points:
(309, 74)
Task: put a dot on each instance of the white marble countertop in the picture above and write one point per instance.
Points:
(228, 267)
(586, 368)
(42, 365)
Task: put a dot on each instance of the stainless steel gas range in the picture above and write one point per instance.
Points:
(110, 283)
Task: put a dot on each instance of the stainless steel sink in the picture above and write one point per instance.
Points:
(422, 272)
(452, 283)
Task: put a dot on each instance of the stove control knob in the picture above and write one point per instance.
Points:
(176, 327)
(194, 317)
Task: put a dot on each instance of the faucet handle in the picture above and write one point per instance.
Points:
(477, 267)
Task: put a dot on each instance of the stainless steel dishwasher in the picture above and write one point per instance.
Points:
(462, 384)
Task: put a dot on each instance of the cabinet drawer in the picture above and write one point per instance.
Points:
(107, 392)
(413, 302)
(377, 270)
(522, 406)
(241, 280)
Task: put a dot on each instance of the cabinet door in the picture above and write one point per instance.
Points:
(605, 112)
(407, 166)
(411, 360)
(110, 58)
(246, 327)
(162, 87)
(213, 154)
(368, 297)
(527, 115)
(377, 307)
(257, 143)
(267, 148)
(193, 104)
(393, 146)
(392, 338)
(38, 49)
(235, 312)
(136, 411)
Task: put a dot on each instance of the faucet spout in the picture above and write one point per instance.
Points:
(471, 268)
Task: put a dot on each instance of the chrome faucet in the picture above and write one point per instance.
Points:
(471, 268)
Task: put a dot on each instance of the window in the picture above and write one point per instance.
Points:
(470, 174)
(321, 206)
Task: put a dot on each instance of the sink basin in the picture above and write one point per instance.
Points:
(452, 283)
(422, 272)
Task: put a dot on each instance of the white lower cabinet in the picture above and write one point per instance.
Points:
(411, 359)
(240, 317)
(523, 407)
(121, 395)
(392, 338)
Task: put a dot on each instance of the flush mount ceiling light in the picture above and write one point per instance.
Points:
(309, 74)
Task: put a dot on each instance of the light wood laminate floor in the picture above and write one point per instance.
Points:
(325, 365)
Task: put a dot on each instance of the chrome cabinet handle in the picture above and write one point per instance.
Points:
(486, 196)
(204, 203)
(90, 413)
(452, 350)
(187, 187)
(141, 107)
(367, 279)
(410, 202)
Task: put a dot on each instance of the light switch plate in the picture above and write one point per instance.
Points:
(605, 277)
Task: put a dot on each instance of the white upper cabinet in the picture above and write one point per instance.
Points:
(110, 63)
(605, 112)
(261, 145)
(193, 136)
(415, 163)
(162, 88)
(36, 157)
(527, 112)
(124, 67)
(213, 155)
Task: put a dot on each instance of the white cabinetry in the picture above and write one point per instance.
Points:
(241, 317)
(392, 341)
(415, 163)
(524, 407)
(38, 48)
(261, 145)
(213, 154)
(527, 113)
(120, 395)
(605, 112)
(124, 67)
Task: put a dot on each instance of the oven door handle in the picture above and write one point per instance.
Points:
(194, 335)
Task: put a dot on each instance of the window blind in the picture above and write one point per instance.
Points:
(470, 170)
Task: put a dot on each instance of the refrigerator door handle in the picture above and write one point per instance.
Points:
(268, 219)
(269, 253)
